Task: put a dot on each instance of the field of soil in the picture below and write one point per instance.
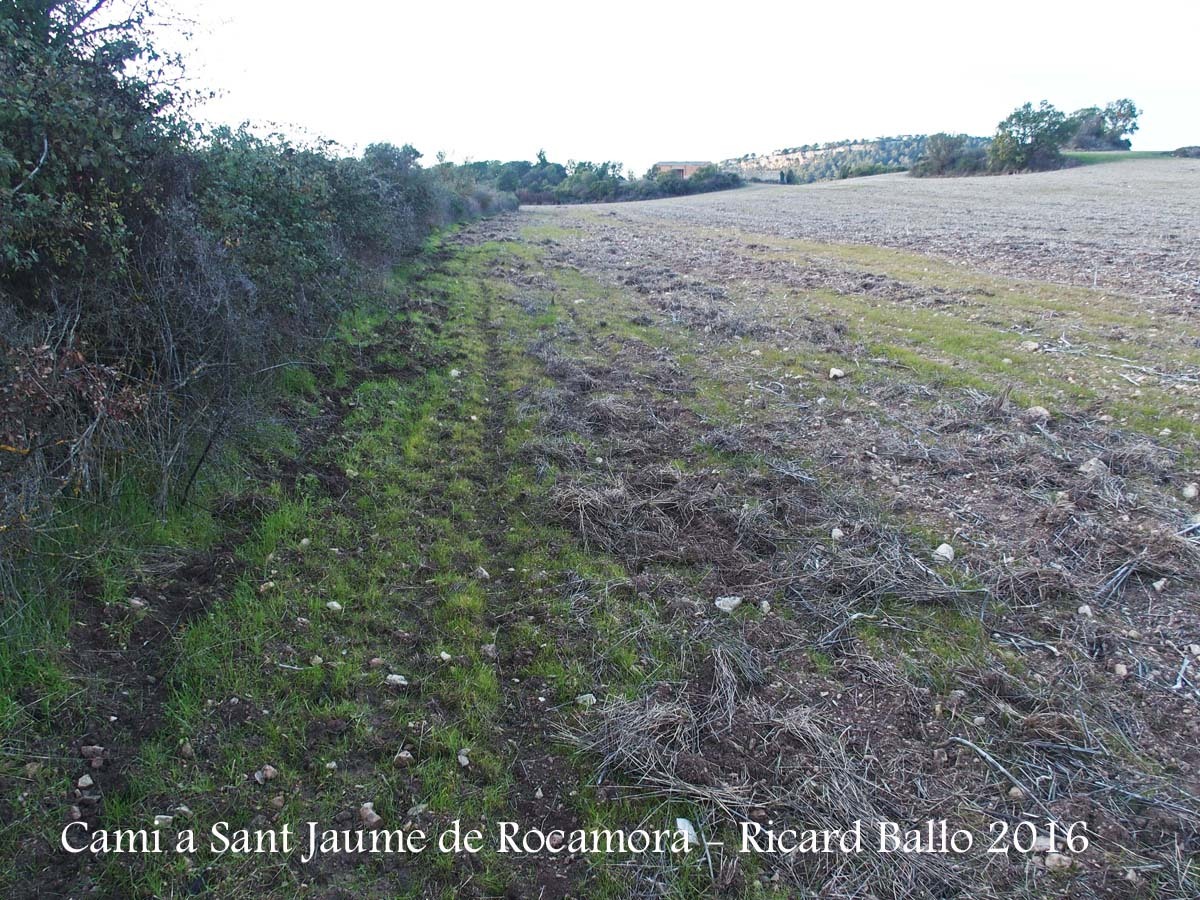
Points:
(786, 507)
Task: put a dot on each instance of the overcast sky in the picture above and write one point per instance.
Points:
(638, 82)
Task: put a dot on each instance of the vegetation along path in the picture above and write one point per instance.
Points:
(593, 522)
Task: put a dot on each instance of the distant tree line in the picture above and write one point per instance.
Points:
(542, 181)
(1031, 139)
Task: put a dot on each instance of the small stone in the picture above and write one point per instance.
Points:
(1037, 414)
(162, 821)
(369, 817)
(1015, 793)
(32, 768)
(764, 607)
(1029, 346)
(586, 699)
(688, 831)
(482, 574)
(375, 662)
(1191, 491)
(266, 586)
(1059, 862)
(333, 606)
(728, 604)
(137, 603)
(91, 751)
(455, 373)
(269, 772)
(463, 759)
(1160, 585)
(75, 813)
(1085, 610)
(278, 801)
(84, 782)
(1094, 468)
(444, 656)
(396, 681)
(944, 554)
(1194, 649)
(837, 534)
(979, 721)
(331, 766)
(403, 759)
(489, 650)
(305, 543)
(315, 661)
(1121, 670)
(186, 751)
(836, 373)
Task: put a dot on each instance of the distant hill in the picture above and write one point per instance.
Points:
(837, 159)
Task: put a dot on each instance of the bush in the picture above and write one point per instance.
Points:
(149, 272)
(1029, 140)
(951, 154)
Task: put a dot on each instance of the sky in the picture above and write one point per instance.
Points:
(640, 82)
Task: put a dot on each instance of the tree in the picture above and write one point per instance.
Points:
(950, 154)
(1094, 128)
(1030, 139)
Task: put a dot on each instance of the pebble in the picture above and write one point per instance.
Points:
(1015, 793)
(489, 650)
(764, 607)
(836, 373)
(837, 534)
(1029, 346)
(1094, 468)
(369, 817)
(944, 553)
(1121, 670)
(265, 774)
(463, 759)
(395, 680)
(162, 821)
(1058, 861)
(1160, 585)
(278, 801)
(266, 586)
(1191, 491)
(305, 543)
(1085, 610)
(444, 656)
(1037, 414)
(403, 758)
(84, 782)
(482, 574)
(586, 699)
(728, 604)
(333, 606)
(375, 662)
(91, 751)
(315, 661)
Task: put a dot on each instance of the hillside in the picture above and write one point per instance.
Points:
(836, 159)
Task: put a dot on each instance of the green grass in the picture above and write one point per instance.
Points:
(1093, 157)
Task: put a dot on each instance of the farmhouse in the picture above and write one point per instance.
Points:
(682, 169)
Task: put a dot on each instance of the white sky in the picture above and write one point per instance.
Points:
(638, 82)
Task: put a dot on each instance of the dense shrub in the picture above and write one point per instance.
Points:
(951, 154)
(1096, 128)
(150, 271)
(1188, 152)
